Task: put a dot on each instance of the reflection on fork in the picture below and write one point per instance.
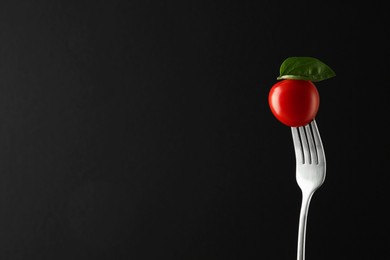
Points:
(310, 172)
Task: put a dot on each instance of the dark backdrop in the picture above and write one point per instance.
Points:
(141, 130)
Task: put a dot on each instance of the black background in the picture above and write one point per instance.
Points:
(141, 130)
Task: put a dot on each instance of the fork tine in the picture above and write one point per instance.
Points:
(305, 146)
(312, 148)
(297, 145)
(318, 142)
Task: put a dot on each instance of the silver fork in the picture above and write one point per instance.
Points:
(310, 172)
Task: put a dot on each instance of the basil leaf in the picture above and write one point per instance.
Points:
(306, 68)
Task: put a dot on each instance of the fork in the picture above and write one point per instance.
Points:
(310, 172)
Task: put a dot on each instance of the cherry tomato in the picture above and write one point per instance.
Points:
(294, 102)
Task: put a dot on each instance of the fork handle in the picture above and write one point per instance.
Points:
(302, 225)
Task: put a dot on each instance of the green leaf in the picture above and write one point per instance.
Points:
(306, 68)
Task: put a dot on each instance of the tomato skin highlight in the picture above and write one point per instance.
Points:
(294, 102)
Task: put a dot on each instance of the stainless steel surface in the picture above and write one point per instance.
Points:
(310, 172)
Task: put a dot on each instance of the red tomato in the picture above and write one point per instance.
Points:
(294, 102)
